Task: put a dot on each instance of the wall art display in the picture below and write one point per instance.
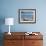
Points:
(27, 15)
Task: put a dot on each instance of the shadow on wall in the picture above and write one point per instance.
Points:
(2, 21)
(1, 39)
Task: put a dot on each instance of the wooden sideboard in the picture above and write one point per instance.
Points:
(20, 39)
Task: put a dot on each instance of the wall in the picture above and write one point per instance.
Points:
(9, 8)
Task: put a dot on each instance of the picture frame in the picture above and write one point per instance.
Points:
(27, 15)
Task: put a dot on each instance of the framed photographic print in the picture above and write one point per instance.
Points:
(27, 15)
